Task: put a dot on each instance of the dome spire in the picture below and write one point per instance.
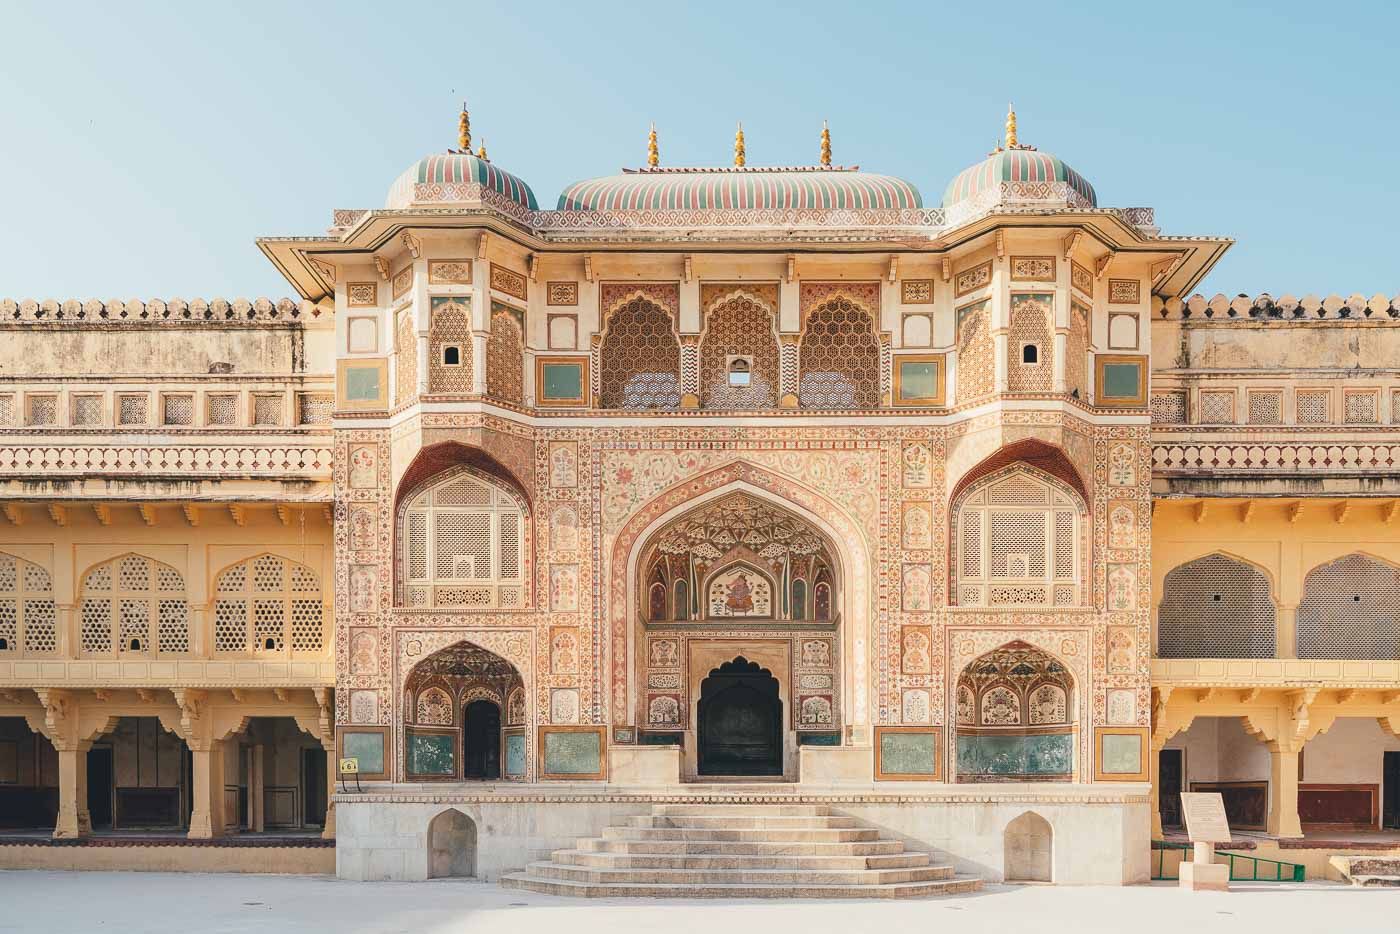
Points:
(739, 146)
(1011, 126)
(464, 130)
(826, 144)
(653, 154)
(481, 151)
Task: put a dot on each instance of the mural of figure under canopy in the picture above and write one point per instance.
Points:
(739, 557)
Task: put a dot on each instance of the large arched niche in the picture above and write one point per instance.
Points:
(443, 698)
(852, 599)
(1017, 708)
(481, 513)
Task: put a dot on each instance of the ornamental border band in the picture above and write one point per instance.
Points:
(734, 530)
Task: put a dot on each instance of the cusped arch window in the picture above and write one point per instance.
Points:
(1216, 607)
(1019, 541)
(268, 604)
(133, 605)
(28, 618)
(1350, 609)
(463, 544)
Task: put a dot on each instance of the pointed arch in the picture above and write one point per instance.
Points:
(1350, 609)
(28, 613)
(638, 357)
(133, 605)
(451, 840)
(841, 355)
(1028, 849)
(740, 329)
(268, 603)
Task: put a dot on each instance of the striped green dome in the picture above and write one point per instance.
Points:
(741, 189)
(432, 179)
(1015, 165)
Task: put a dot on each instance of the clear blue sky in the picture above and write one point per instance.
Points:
(146, 145)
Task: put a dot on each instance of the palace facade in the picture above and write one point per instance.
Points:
(705, 487)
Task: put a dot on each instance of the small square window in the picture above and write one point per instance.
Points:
(179, 410)
(133, 410)
(740, 371)
(1030, 354)
(452, 355)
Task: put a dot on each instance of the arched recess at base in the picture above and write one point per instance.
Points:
(1028, 850)
(451, 846)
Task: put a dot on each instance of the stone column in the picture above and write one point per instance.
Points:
(789, 347)
(207, 779)
(257, 800)
(1155, 773)
(74, 821)
(332, 768)
(1283, 786)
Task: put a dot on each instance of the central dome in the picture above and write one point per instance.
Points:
(805, 188)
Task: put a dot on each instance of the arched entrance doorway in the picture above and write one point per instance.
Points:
(481, 740)
(464, 718)
(740, 721)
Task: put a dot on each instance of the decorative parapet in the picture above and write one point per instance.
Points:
(281, 462)
(1192, 456)
(1275, 672)
(1286, 308)
(1012, 196)
(135, 311)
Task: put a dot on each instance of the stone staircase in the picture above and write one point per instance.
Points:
(740, 851)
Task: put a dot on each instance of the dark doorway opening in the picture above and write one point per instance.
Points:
(482, 738)
(99, 784)
(1171, 772)
(740, 721)
(313, 787)
(1390, 782)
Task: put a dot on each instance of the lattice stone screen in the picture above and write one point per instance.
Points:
(87, 410)
(1019, 544)
(268, 604)
(839, 359)
(451, 325)
(1216, 607)
(639, 359)
(1350, 609)
(505, 355)
(1217, 408)
(28, 620)
(1265, 407)
(221, 409)
(463, 546)
(1313, 406)
(1168, 408)
(1030, 324)
(133, 605)
(739, 325)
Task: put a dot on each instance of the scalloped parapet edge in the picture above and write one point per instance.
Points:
(136, 311)
(1284, 308)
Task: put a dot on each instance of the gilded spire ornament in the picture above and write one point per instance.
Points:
(826, 144)
(739, 147)
(653, 154)
(481, 151)
(1010, 127)
(464, 130)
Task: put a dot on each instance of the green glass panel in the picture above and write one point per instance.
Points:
(908, 754)
(515, 755)
(1120, 380)
(431, 754)
(362, 383)
(366, 747)
(999, 754)
(659, 739)
(819, 739)
(1122, 753)
(573, 753)
(562, 381)
(919, 380)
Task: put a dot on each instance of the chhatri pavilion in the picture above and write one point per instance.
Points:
(734, 531)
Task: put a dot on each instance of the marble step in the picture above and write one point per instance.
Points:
(745, 810)
(760, 847)
(723, 877)
(605, 860)
(801, 835)
(727, 821)
(954, 886)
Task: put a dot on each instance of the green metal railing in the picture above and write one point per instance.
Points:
(1243, 868)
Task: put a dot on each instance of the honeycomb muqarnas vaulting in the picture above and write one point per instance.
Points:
(704, 485)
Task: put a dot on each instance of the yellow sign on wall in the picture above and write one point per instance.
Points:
(349, 766)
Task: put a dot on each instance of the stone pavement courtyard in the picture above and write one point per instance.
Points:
(138, 903)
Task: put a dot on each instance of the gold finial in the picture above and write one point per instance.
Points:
(739, 146)
(1010, 127)
(653, 154)
(826, 144)
(481, 151)
(464, 130)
